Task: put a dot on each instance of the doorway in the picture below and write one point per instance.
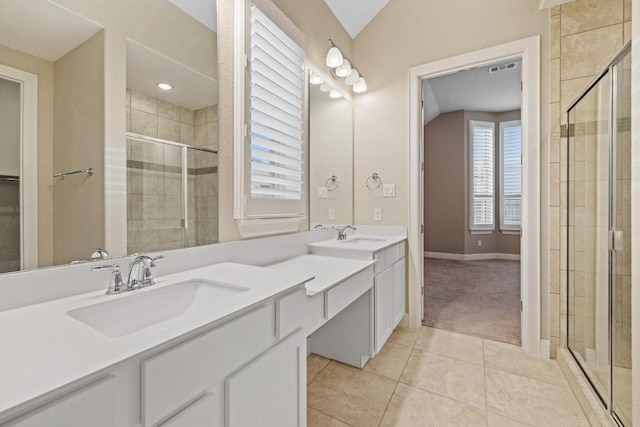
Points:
(18, 170)
(473, 199)
(529, 50)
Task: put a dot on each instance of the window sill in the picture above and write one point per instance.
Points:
(252, 228)
(481, 231)
(513, 232)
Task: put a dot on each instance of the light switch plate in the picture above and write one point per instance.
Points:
(377, 214)
(332, 213)
(322, 193)
(388, 190)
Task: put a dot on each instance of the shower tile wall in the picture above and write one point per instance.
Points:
(154, 175)
(584, 36)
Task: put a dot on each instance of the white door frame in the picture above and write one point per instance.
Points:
(529, 50)
(28, 164)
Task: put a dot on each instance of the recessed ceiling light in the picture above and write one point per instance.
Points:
(164, 86)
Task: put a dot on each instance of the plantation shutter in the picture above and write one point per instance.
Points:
(511, 146)
(276, 65)
(482, 175)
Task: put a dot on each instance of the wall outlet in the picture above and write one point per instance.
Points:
(479, 242)
(332, 213)
(322, 193)
(388, 190)
(377, 214)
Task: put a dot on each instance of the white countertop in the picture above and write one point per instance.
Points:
(368, 244)
(328, 271)
(42, 348)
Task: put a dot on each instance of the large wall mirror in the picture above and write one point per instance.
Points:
(330, 153)
(96, 151)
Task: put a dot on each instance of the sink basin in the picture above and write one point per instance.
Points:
(142, 309)
(358, 240)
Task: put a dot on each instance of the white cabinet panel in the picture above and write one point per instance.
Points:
(343, 294)
(383, 307)
(173, 378)
(399, 291)
(271, 391)
(202, 413)
(92, 405)
(291, 312)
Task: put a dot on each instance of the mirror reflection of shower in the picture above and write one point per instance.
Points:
(10, 107)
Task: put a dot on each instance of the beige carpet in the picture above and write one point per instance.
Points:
(480, 298)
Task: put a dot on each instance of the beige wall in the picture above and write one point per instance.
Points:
(317, 22)
(78, 143)
(44, 70)
(585, 35)
(446, 194)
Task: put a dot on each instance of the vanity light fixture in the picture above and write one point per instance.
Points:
(315, 79)
(335, 94)
(341, 66)
(164, 86)
(325, 87)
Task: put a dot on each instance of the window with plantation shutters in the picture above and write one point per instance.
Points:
(276, 120)
(510, 175)
(482, 174)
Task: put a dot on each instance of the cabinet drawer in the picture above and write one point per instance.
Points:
(347, 292)
(381, 262)
(291, 312)
(204, 412)
(92, 405)
(393, 254)
(385, 258)
(173, 378)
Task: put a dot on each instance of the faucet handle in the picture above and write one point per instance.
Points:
(116, 285)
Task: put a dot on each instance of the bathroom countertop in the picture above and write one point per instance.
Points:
(328, 271)
(366, 246)
(42, 348)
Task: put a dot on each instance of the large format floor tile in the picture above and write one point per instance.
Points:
(411, 406)
(405, 336)
(318, 419)
(452, 378)
(451, 344)
(350, 395)
(315, 365)
(511, 358)
(532, 401)
(390, 362)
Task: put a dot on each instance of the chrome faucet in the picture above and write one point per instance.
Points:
(342, 232)
(139, 274)
(100, 253)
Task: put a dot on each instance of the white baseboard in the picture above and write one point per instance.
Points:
(545, 349)
(471, 257)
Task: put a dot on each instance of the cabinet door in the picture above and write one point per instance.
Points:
(204, 412)
(384, 304)
(270, 391)
(398, 291)
(93, 405)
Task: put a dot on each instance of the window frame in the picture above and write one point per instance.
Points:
(508, 229)
(254, 216)
(473, 227)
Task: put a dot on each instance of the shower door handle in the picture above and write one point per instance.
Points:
(616, 240)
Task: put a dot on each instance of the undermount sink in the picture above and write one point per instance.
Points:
(357, 240)
(135, 311)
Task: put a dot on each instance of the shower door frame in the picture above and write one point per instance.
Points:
(29, 171)
(612, 285)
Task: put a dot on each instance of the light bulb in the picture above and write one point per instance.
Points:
(344, 70)
(361, 86)
(325, 87)
(315, 79)
(335, 94)
(164, 86)
(353, 78)
(334, 57)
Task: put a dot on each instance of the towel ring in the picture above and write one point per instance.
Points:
(332, 183)
(373, 178)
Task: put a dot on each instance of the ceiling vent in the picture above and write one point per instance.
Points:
(503, 67)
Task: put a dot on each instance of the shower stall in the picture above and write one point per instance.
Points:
(172, 199)
(597, 212)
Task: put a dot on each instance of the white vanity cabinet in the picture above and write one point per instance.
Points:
(90, 405)
(389, 292)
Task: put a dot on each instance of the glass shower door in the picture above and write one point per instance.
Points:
(588, 244)
(621, 223)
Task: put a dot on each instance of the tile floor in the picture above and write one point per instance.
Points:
(431, 377)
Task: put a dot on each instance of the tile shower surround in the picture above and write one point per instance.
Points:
(154, 175)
